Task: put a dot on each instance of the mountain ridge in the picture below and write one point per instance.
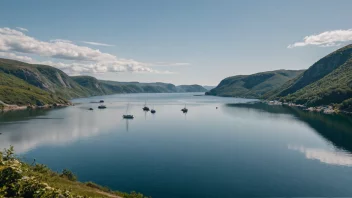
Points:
(253, 85)
(331, 82)
(56, 86)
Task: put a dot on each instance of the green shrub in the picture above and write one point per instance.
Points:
(69, 175)
(9, 153)
(41, 168)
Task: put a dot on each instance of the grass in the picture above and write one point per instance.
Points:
(16, 91)
(19, 179)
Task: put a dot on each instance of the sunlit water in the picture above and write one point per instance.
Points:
(234, 151)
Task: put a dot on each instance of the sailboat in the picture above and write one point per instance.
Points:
(145, 108)
(184, 110)
(128, 116)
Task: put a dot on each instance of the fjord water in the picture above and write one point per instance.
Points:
(237, 150)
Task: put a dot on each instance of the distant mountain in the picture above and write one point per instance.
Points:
(253, 86)
(102, 87)
(327, 81)
(208, 87)
(190, 88)
(23, 83)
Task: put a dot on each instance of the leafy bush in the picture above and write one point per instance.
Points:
(9, 154)
(69, 175)
(41, 168)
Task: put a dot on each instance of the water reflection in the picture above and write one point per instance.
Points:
(329, 157)
(26, 130)
(337, 129)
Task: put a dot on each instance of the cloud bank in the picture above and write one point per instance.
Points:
(66, 55)
(325, 39)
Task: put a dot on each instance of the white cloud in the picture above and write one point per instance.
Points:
(75, 59)
(325, 39)
(328, 157)
(22, 29)
(60, 40)
(16, 57)
(96, 43)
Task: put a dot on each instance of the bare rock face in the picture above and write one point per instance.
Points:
(60, 79)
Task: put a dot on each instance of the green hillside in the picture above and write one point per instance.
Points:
(23, 83)
(102, 87)
(191, 88)
(16, 91)
(316, 72)
(327, 81)
(253, 86)
(136, 87)
(44, 77)
(92, 85)
(335, 87)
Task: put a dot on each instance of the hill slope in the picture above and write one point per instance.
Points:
(316, 72)
(191, 88)
(327, 81)
(255, 85)
(102, 87)
(23, 83)
(16, 91)
(44, 77)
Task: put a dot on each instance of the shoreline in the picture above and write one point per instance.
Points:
(326, 109)
(7, 107)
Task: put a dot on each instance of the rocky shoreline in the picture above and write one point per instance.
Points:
(326, 109)
(6, 107)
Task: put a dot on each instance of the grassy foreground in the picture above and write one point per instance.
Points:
(19, 179)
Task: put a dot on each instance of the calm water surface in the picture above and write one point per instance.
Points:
(237, 150)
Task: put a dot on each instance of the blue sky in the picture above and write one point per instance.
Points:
(183, 41)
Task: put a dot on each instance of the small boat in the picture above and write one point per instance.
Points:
(101, 101)
(145, 108)
(152, 110)
(91, 109)
(102, 107)
(184, 110)
(127, 116)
